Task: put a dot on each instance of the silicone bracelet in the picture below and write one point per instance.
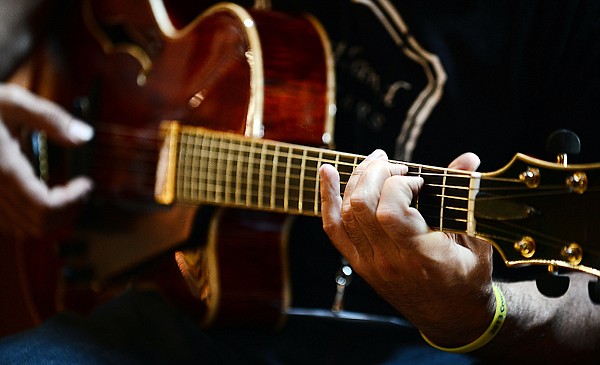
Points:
(489, 333)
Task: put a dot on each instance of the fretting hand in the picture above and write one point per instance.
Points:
(441, 282)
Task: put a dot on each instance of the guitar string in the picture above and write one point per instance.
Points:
(339, 163)
(151, 160)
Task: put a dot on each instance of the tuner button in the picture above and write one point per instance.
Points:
(577, 182)
(572, 253)
(531, 177)
(526, 247)
(563, 141)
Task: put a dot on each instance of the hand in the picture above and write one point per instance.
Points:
(441, 282)
(27, 205)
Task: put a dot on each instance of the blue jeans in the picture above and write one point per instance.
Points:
(141, 328)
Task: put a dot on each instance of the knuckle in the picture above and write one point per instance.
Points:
(388, 217)
(359, 201)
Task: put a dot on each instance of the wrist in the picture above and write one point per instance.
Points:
(492, 329)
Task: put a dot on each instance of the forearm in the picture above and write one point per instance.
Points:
(542, 329)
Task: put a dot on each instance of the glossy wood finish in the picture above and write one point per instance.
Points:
(124, 67)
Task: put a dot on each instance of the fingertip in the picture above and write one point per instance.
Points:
(467, 161)
(79, 132)
(378, 154)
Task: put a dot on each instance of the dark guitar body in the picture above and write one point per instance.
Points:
(115, 65)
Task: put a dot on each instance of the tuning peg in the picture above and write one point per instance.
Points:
(551, 284)
(563, 142)
(594, 291)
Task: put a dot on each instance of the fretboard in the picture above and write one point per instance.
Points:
(227, 169)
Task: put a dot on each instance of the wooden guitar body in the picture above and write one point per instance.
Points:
(124, 67)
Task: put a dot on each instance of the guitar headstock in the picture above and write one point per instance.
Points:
(542, 213)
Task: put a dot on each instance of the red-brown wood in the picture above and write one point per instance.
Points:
(211, 58)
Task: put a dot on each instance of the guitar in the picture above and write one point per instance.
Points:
(126, 66)
(207, 154)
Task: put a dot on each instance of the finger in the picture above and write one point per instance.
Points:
(33, 206)
(395, 214)
(467, 162)
(47, 210)
(331, 203)
(353, 180)
(366, 197)
(19, 106)
(358, 238)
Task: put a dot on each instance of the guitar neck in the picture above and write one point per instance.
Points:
(209, 167)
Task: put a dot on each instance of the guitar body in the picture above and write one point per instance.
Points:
(124, 67)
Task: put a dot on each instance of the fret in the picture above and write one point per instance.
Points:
(182, 184)
(456, 202)
(474, 182)
(301, 186)
(249, 174)
(241, 171)
(270, 161)
(288, 168)
(274, 177)
(261, 175)
(202, 186)
(295, 178)
(228, 190)
(281, 178)
(345, 167)
(419, 174)
(219, 168)
(219, 187)
(430, 197)
(317, 201)
(239, 168)
(211, 178)
(309, 179)
(443, 198)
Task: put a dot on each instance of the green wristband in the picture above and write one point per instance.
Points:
(489, 333)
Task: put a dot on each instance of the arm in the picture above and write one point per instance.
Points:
(442, 282)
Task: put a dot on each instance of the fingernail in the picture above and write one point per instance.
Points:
(80, 131)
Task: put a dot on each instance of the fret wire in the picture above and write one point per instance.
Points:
(288, 167)
(306, 170)
(219, 188)
(213, 165)
(238, 175)
(228, 162)
(203, 170)
(317, 181)
(302, 173)
(261, 175)
(250, 172)
(442, 202)
(194, 167)
(356, 157)
(274, 175)
(181, 168)
(419, 196)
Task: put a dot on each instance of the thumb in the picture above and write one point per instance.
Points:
(19, 107)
